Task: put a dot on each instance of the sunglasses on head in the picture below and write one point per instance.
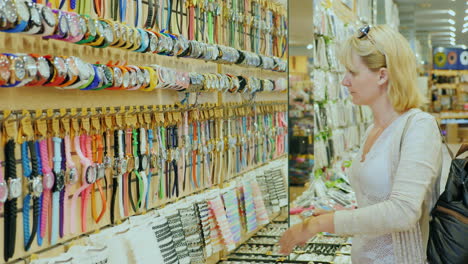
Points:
(363, 32)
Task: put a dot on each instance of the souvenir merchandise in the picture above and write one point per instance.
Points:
(172, 234)
(263, 248)
(126, 28)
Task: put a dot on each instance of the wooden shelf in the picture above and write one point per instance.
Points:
(446, 72)
(447, 85)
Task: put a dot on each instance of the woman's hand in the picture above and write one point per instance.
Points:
(299, 234)
(295, 235)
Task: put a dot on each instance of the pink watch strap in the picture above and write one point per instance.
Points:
(46, 170)
(70, 165)
(85, 164)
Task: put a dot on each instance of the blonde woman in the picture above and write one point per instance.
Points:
(394, 175)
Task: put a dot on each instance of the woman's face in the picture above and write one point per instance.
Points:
(364, 85)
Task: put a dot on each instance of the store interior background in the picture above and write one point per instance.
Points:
(434, 29)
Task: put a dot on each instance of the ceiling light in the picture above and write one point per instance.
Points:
(465, 25)
(466, 18)
(451, 21)
(443, 33)
(452, 28)
(310, 46)
(451, 12)
(465, 30)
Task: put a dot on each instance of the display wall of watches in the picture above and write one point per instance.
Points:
(17, 70)
(21, 16)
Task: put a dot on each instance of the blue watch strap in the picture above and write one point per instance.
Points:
(39, 165)
(94, 84)
(26, 201)
(19, 28)
(144, 44)
(55, 217)
(123, 10)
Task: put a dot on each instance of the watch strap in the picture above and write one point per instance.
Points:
(10, 206)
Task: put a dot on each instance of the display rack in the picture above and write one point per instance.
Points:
(167, 104)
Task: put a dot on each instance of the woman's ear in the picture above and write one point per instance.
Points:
(383, 76)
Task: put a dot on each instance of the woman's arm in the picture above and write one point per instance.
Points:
(420, 161)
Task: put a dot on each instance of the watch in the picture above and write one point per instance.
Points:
(107, 77)
(48, 183)
(151, 79)
(22, 14)
(30, 65)
(10, 206)
(17, 70)
(49, 21)
(144, 36)
(43, 71)
(73, 72)
(90, 32)
(77, 27)
(60, 72)
(3, 187)
(59, 184)
(63, 26)
(108, 33)
(35, 21)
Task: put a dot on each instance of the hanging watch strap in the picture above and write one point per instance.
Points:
(135, 171)
(149, 199)
(34, 192)
(143, 167)
(98, 149)
(48, 184)
(39, 168)
(175, 157)
(72, 179)
(58, 186)
(10, 206)
(162, 161)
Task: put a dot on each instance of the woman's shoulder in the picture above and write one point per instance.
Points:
(417, 115)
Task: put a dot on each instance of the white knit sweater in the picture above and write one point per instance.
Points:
(395, 191)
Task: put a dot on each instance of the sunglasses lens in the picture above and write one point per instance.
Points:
(363, 31)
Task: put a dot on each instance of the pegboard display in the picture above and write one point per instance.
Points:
(205, 81)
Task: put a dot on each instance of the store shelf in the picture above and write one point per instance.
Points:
(446, 72)
(446, 85)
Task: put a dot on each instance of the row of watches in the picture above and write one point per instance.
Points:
(17, 70)
(21, 16)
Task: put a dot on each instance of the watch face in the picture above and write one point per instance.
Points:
(83, 25)
(74, 25)
(15, 188)
(5, 68)
(124, 33)
(49, 16)
(133, 78)
(101, 171)
(109, 34)
(117, 32)
(3, 191)
(130, 35)
(48, 181)
(72, 67)
(35, 186)
(108, 75)
(92, 27)
(145, 39)
(36, 16)
(140, 77)
(136, 162)
(72, 176)
(101, 76)
(30, 65)
(60, 65)
(153, 42)
(100, 28)
(10, 11)
(20, 71)
(126, 79)
(23, 10)
(63, 24)
(91, 174)
(123, 166)
(146, 76)
(43, 67)
(117, 77)
(144, 162)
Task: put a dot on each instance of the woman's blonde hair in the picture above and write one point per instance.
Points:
(385, 47)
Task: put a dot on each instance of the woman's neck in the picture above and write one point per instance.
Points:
(383, 111)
